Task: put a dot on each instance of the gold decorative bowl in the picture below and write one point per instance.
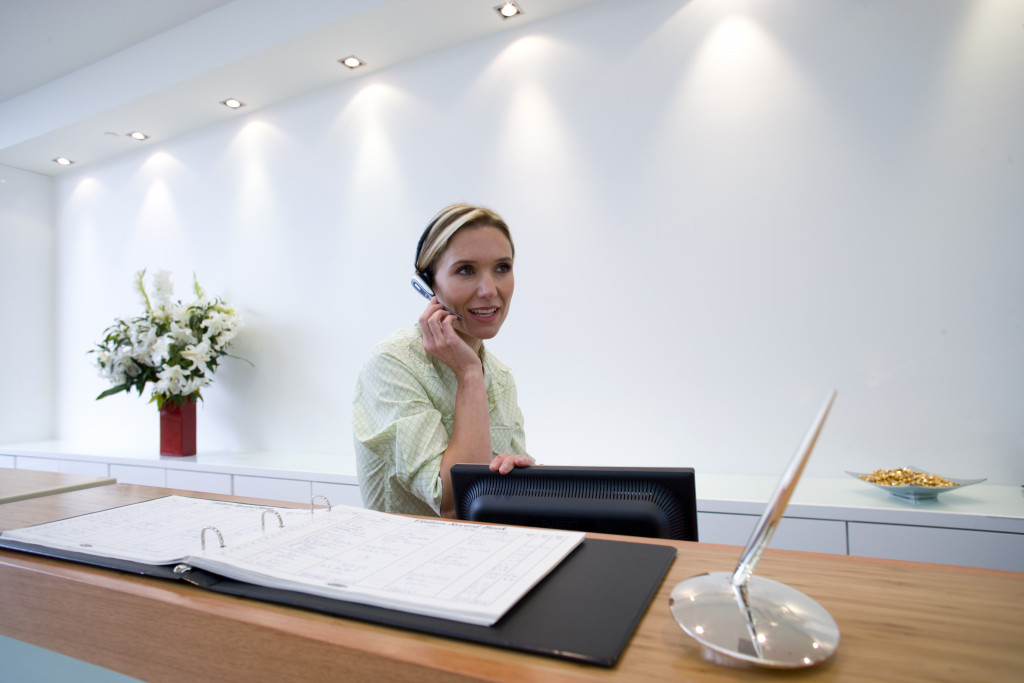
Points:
(915, 492)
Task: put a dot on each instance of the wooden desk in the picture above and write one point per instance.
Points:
(900, 621)
(21, 484)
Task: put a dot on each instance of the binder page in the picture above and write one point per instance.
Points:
(466, 572)
(156, 532)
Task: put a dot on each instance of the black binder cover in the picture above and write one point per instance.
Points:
(585, 610)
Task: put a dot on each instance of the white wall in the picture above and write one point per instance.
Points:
(26, 308)
(722, 209)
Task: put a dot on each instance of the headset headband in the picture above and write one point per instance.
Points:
(419, 249)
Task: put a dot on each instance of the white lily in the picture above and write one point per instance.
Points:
(173, 345)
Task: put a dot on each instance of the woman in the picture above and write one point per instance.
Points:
(431, 395)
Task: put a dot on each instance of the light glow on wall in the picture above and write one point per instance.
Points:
(737, 72)
(362, 134)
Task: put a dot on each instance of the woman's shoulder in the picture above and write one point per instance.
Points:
(403, 346)
(402, 339)
(493, 366)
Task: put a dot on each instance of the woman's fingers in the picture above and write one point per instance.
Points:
(432, 323)
(506, 462)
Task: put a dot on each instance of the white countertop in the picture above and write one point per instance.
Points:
(983, 507)
(980, 506)
(328, 467)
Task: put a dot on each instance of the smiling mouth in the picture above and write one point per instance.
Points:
(483, 312)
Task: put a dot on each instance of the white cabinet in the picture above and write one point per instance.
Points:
(294, 490)
(793, 533)
(93, 469)
(132, 474)
(989, 549)
(39, 464)
(964, 547)
(207, 482)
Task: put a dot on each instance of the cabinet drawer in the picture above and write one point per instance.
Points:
(132, 474)
(986, 549)
(93, 469)
(793, 533)
(293, 490)
(207, 482)
(24, 462)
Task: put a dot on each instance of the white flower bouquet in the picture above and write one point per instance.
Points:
(175, 346)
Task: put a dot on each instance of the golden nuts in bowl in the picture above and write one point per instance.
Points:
(912, 483)
(904, 476)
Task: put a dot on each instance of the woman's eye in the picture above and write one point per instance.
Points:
(504, 268)
(464, 270)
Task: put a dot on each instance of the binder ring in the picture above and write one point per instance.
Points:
(202, 536)
(263, 518)
(312, 503)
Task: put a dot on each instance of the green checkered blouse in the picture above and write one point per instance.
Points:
(402, 418)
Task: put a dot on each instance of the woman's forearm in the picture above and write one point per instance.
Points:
(471, 434)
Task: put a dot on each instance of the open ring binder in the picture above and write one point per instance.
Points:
(263, 519)
(202, 536)
(312, 503)
(549, 609)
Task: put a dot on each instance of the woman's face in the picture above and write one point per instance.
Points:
(473, 277)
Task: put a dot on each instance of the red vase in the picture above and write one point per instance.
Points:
(178, 428)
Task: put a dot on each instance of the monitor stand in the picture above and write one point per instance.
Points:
(742, 619)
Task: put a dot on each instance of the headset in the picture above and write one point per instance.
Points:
(423, 281)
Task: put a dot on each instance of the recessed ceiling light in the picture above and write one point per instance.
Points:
(63, 161)
(136, 135)
(233, 103)
(352, 62)
(507, 10)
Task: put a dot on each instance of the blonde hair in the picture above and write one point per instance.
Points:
(442, 228)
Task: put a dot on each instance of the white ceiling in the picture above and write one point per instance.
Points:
(80, 75)
(48, 39)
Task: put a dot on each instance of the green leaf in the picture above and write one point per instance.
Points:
(114, 390)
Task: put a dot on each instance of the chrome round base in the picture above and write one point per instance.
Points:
(765, 623)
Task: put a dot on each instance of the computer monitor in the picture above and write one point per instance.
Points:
(656, 502)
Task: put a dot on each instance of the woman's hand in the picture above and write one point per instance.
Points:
(506, 462)
(441, 340)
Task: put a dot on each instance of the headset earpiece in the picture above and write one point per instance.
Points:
(419, 250)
